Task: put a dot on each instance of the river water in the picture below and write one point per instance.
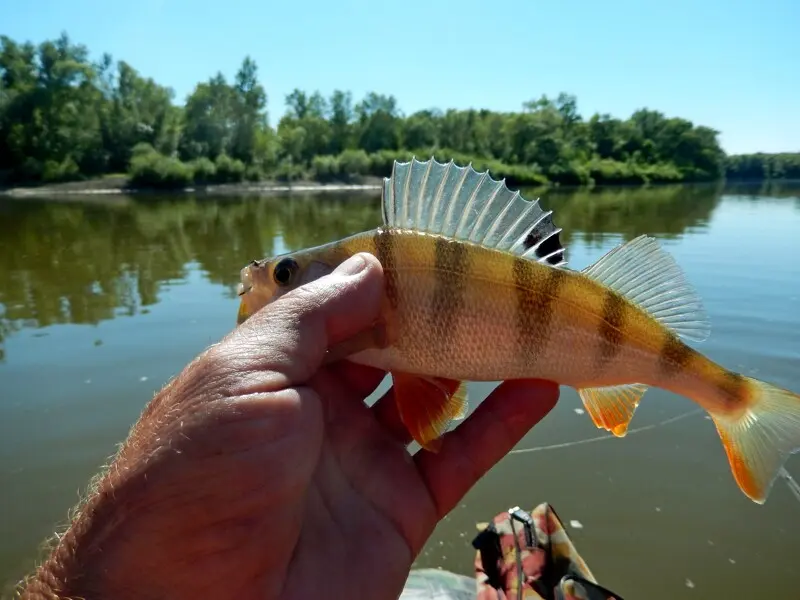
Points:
(103, 300)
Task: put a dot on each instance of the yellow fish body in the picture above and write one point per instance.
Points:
(477, 289)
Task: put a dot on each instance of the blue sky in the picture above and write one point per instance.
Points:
(732, 65)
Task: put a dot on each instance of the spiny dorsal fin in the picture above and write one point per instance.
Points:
(461, 203)
(649, 277)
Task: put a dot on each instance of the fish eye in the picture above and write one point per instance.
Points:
(283, 271)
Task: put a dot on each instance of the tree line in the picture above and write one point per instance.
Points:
(64, 116)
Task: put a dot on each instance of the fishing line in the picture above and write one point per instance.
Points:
(791, 483)
(601, 438)
(794, 487)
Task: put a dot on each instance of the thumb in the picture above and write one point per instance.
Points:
(290, 336)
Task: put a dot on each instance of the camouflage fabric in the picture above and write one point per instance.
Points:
(551, 567)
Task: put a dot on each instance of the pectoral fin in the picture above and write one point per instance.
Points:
(461, 396)
(427, 406)
(374, 337)
(612, 408)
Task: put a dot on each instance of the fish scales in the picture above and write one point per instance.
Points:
(469, 313)
(476, 288)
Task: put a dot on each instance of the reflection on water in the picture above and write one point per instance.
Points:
(102, 301)
(84, 263)
(666, 211)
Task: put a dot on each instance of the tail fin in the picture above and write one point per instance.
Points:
(759, 441)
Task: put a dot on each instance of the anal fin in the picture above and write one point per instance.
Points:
(612, 407)
(427, 406)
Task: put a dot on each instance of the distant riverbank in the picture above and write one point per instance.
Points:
(357, 171)
(120, 185)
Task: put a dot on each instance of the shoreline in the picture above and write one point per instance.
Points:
(112, 186)
(118, 186)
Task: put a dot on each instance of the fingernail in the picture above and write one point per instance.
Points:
(352, 266)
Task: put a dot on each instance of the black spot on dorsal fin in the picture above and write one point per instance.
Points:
(548, 238)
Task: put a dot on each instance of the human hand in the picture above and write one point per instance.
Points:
(260, 473)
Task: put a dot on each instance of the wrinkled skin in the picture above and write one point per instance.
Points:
(257, 473)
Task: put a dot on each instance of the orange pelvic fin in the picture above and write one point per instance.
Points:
(428, 405)
(612, 407)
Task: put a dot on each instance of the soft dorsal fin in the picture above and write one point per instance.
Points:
(461, 203)
(648, 276)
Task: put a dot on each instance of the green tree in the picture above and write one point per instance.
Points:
(378, 126)
(250, 101)
(63, 116)
(136, 111)
(341, 119)
(209, 120)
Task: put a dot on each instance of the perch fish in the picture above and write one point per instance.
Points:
(477, 288)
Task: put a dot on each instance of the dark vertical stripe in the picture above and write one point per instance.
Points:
(452, 271)
(733, 388)
(610, 328)
(536, 303)
(674, 355)
(384, 248)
